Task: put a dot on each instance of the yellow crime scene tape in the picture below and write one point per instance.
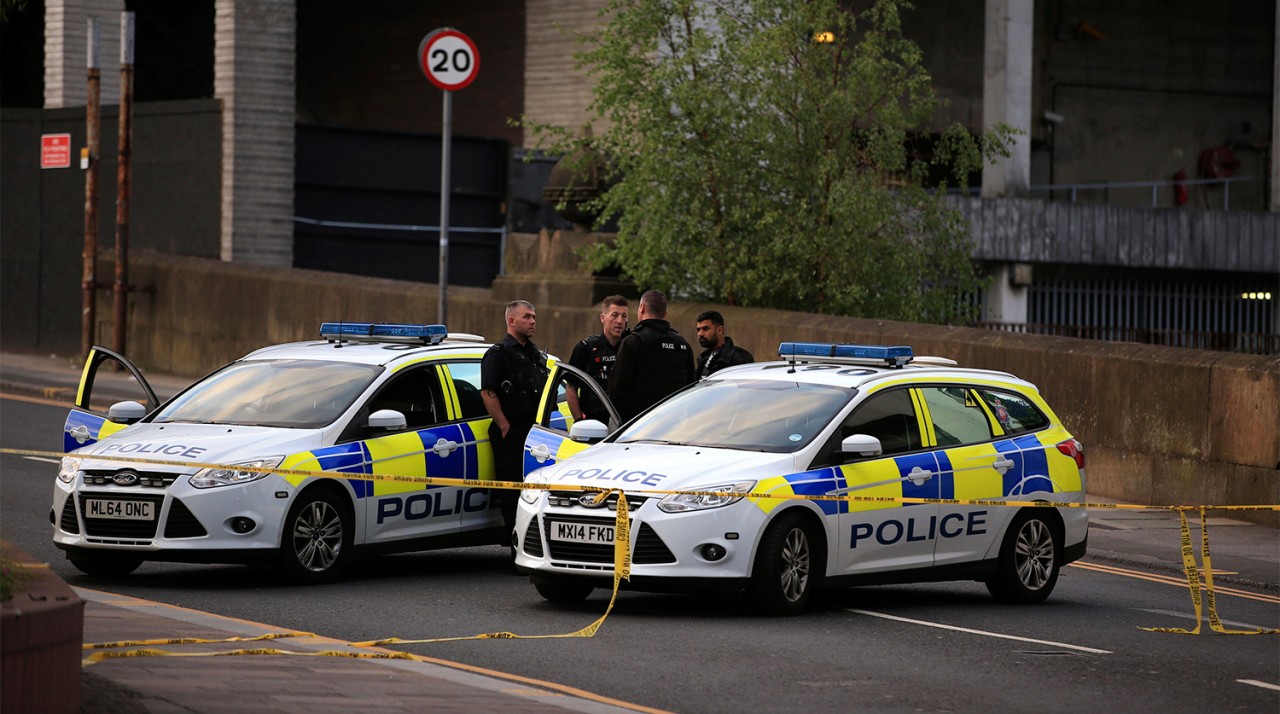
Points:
(622, 556)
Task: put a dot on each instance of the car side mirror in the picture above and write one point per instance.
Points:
(388, 419)
(861, 445)
(588, 431)
(126, 412)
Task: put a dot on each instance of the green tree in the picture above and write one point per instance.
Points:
(758, 160)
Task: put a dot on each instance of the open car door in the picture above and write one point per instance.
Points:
(549, 439)
(88, 420)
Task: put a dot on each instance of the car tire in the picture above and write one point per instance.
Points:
(105, 564)
(316, 544)
(785, 573)
(1027, 567)
(562, 590)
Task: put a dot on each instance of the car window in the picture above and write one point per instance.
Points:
(888, 416)
(466, 382)
(1016, 413)
(758, 415)
(957, 416)
(304, 394)
(416, 394)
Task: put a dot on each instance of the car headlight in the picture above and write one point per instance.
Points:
(230, 475)
(681, 502)
(69, 468)
(531, 495)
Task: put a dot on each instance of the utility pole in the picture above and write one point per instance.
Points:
(124, 181)
(89, 282)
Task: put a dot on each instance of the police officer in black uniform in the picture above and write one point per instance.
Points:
(512, 375)
(595, 355)
(719, 352)
(653, 361)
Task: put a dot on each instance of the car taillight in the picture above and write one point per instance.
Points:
(1075, 450)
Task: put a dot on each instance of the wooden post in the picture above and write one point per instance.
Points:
(124, 182)
(89, 281)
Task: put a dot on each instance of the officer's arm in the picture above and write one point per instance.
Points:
(580, 360)
(571, 396)
(622, 376)
(494, 407)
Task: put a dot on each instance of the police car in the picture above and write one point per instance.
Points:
(825, 421)
(190, 480)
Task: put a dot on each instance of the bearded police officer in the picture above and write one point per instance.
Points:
(595, 355)
(653, 361)
(512, 375)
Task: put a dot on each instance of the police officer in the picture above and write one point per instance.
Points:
(512, 375)
(653, 361)
(718, 349)
(595, 355)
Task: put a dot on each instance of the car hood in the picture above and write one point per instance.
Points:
(637, 467)
(182, 444)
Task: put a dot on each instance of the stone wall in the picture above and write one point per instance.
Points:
(1161, 426)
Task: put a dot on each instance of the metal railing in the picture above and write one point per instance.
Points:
(1246, 343)
(1073, 189)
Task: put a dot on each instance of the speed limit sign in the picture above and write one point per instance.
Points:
(449, 59)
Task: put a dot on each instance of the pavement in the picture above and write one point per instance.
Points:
(1243, 554)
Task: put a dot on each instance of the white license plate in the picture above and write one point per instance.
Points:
(115, 508)
(581, 532)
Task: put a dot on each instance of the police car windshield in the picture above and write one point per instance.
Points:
(754, 415)
(298, 394)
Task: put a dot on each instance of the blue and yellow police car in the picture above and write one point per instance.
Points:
(836, 465)
(191, 480)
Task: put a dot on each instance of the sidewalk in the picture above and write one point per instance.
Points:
(281, 683)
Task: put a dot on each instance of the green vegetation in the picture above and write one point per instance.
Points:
(754, 162)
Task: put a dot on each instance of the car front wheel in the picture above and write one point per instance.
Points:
(563, 590)
(317, 539)
(784, 579)
(1027, 569)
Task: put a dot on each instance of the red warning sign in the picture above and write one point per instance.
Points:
(55, 151)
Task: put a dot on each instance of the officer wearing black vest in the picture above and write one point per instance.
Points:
(596, 355)
(512, 375)
(653, 361)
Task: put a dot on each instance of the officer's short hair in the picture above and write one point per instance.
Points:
(656, 301)
(517, 305)
(611, 301)
(712, 315)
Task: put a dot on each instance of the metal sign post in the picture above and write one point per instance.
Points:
(450, 61)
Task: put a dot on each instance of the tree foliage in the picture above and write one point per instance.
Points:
(754, 165)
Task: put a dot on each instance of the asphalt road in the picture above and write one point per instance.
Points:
(936, 647)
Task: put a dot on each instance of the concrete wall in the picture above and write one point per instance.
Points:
(1160, 425)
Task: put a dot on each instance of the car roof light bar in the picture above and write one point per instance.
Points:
(895, 356)
(383, 332)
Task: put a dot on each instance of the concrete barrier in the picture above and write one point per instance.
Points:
(41, 634)
(1163, 426)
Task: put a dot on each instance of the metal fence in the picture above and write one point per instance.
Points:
(1207, 315)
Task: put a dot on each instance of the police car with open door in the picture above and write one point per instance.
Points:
(190, 480)
(826, 421)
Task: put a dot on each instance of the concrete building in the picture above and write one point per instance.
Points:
(1140, 201)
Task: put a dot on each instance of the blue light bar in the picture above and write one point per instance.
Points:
(383, 332)
(895, 356)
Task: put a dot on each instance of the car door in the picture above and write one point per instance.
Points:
(120, 380)
(548, 440)
(461, 380)
(884, 536)
(430, 445)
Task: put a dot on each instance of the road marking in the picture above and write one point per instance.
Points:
(1174, 581)
(984, 633)
(1189, 616)
(35, 400)
(1256, 683)
(39, 458)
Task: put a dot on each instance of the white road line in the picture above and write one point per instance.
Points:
(39, 458)
(1256, 683)
(978, 632)
(1192, 617)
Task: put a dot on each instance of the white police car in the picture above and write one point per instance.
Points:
(365, 399)
(828, 420)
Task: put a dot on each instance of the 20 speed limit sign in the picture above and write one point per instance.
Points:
(449, 59)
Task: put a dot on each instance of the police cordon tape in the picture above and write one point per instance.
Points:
(622, 556)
